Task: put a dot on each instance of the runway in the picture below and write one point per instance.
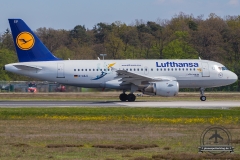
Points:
(165, 104)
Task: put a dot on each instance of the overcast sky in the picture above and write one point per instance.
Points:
(66, 14)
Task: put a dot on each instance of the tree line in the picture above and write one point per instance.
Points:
(182, 37)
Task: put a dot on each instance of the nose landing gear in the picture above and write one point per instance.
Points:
(202, 98)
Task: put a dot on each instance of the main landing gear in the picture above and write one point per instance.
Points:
(202, 98)
(127, 97)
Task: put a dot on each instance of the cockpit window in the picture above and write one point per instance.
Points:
(224, 68)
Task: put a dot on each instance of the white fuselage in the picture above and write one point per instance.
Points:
(95, 73)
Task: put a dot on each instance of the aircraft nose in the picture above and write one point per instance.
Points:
(232, 77)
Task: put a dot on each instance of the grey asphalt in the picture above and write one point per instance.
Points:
(169, 104)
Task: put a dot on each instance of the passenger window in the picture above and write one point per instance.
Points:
(161, 69)
(141, 69)
(134, 69)
(145, 69)
(175, 69)
(164, 69)
(100, 69)
(138, 69)
(186, 69)
(194, 69)
(93, 69)
(172, 69)
(130, 69)
(89, 69)
(179, 69)
(168, 69)
(190, 69)
(82, 69)
(104, 69)
(108, 70)
(183, 69)
(151, 69)
(78, 69)
(74, 69)
(157, 69)
(85, 69)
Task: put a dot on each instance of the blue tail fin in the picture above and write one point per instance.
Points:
(29, 48)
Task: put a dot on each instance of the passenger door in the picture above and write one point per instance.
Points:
(60, 70)
(205, 69)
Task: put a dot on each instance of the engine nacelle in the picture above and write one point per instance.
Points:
(165, 88)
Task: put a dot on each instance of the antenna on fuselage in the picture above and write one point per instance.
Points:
(98, 58)
(199, 58)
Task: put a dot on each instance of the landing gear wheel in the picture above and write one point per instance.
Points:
(123, 97)
(131, 97)
(203, 98)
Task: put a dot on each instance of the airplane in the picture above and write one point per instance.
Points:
(216, 136)
(162, 77)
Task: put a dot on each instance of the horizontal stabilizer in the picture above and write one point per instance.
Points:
(28, 68)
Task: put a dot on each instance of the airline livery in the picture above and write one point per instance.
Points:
(151, 77)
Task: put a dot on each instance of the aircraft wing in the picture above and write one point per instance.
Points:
(27, 67)
(212, 137)
(219, 137)
(133, 78)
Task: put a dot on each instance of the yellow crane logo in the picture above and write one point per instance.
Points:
(25, 41)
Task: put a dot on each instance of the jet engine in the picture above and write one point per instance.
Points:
(164, 88)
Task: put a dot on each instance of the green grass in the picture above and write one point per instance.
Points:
(26, 136)
(5, 113)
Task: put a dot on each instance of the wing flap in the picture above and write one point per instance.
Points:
(131, 76)
(127, 77)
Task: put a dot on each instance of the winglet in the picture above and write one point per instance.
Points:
(28, 46)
